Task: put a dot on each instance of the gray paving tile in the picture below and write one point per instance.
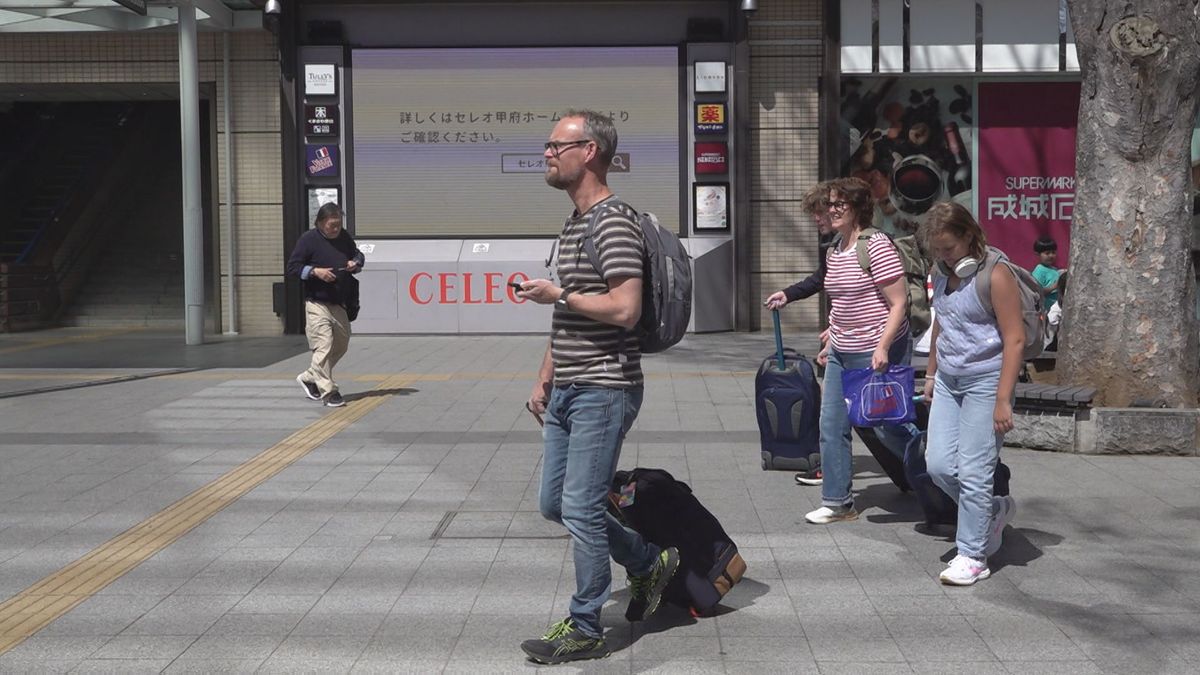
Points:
(238, 647)
(143, 647)
(122, 666)
(1034, 649)
(205, 666)
(864, 668)
(772, 649)
(680, 666)
(317, 624)
(274, 603)
(185, 615)
(852, 649)
(282, 665)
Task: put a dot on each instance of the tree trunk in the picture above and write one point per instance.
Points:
(1130, 326)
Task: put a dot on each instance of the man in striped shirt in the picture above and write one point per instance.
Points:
(589, 388)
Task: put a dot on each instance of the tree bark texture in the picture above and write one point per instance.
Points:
(1130, 326)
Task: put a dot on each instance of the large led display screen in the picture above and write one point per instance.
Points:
(449, 142)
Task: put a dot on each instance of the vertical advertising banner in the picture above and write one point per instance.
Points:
(1027, 165)
(910, 140)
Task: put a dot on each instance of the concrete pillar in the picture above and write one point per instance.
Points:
(189, 123)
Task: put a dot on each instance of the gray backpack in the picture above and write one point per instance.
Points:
(1031, 299)
(666, 279)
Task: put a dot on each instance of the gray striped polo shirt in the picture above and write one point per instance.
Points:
(585, 350)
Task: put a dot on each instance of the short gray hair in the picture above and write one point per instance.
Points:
(599, 129)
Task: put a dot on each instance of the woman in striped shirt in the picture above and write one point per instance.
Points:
(868, 327)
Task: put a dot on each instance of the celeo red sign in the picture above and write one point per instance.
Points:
(712, 157)
(1027, 165)
(465, 288)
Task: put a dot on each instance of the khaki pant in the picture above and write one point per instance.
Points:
(328, 331)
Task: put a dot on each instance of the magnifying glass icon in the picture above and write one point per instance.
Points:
(619, 162)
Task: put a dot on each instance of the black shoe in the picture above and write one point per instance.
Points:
(310, 389)
(564, 642)
(335, 400)
(646, 592)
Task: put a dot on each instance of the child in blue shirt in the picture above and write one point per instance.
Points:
(1046, 273)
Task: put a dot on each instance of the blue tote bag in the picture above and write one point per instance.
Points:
(878, 399)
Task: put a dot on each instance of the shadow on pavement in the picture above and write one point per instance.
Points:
(673, 616)
(1019, 549)
(375, 393)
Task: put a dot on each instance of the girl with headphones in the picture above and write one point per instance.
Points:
(974, 358)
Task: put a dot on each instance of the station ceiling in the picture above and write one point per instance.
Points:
(58, 16)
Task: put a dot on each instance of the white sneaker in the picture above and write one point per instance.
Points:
(964, 571)
(827, 514)
(1008, 508)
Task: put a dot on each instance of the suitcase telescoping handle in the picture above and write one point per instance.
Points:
(778, 340)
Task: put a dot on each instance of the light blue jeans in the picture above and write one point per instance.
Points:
(836, 458)
(962, 451)
(585, 426)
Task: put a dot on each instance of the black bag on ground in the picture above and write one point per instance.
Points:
(938, 507)
(665, 512)
(787, 401)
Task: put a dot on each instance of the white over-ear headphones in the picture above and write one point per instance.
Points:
(962, 269)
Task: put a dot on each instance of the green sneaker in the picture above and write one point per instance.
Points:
(564, 642)
(645, 593)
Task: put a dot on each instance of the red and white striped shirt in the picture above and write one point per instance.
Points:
(859, 311)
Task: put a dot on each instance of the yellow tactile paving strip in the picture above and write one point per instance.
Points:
(55, 595)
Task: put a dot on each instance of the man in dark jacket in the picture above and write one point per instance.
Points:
(321, 255)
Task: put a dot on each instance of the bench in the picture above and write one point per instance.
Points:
(1053, 398)
(1033, 396)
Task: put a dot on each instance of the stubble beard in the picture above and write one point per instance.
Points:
(556, 179)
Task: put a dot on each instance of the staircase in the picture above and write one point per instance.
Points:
(131, 294)
(135, 278)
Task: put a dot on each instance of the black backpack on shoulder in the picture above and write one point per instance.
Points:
(666, 279)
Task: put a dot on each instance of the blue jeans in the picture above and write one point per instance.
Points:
(585, 426)
(962, 452)
(836, 457)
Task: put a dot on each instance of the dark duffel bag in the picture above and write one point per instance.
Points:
(666, 513)
(937, 506)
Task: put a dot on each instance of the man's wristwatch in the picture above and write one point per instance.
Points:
(561, 302)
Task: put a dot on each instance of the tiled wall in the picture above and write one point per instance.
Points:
(784, 132)
(254, 76)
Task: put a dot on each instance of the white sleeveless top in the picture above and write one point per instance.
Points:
(968, 341)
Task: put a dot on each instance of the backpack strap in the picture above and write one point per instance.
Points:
(983, 278)
(606, 206)
(860, 247)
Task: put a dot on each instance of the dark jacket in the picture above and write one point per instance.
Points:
(815, 281)
(315, 250)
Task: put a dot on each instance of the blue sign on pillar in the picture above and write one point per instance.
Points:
(321, 160)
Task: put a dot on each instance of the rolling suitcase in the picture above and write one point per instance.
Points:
(787, 402)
